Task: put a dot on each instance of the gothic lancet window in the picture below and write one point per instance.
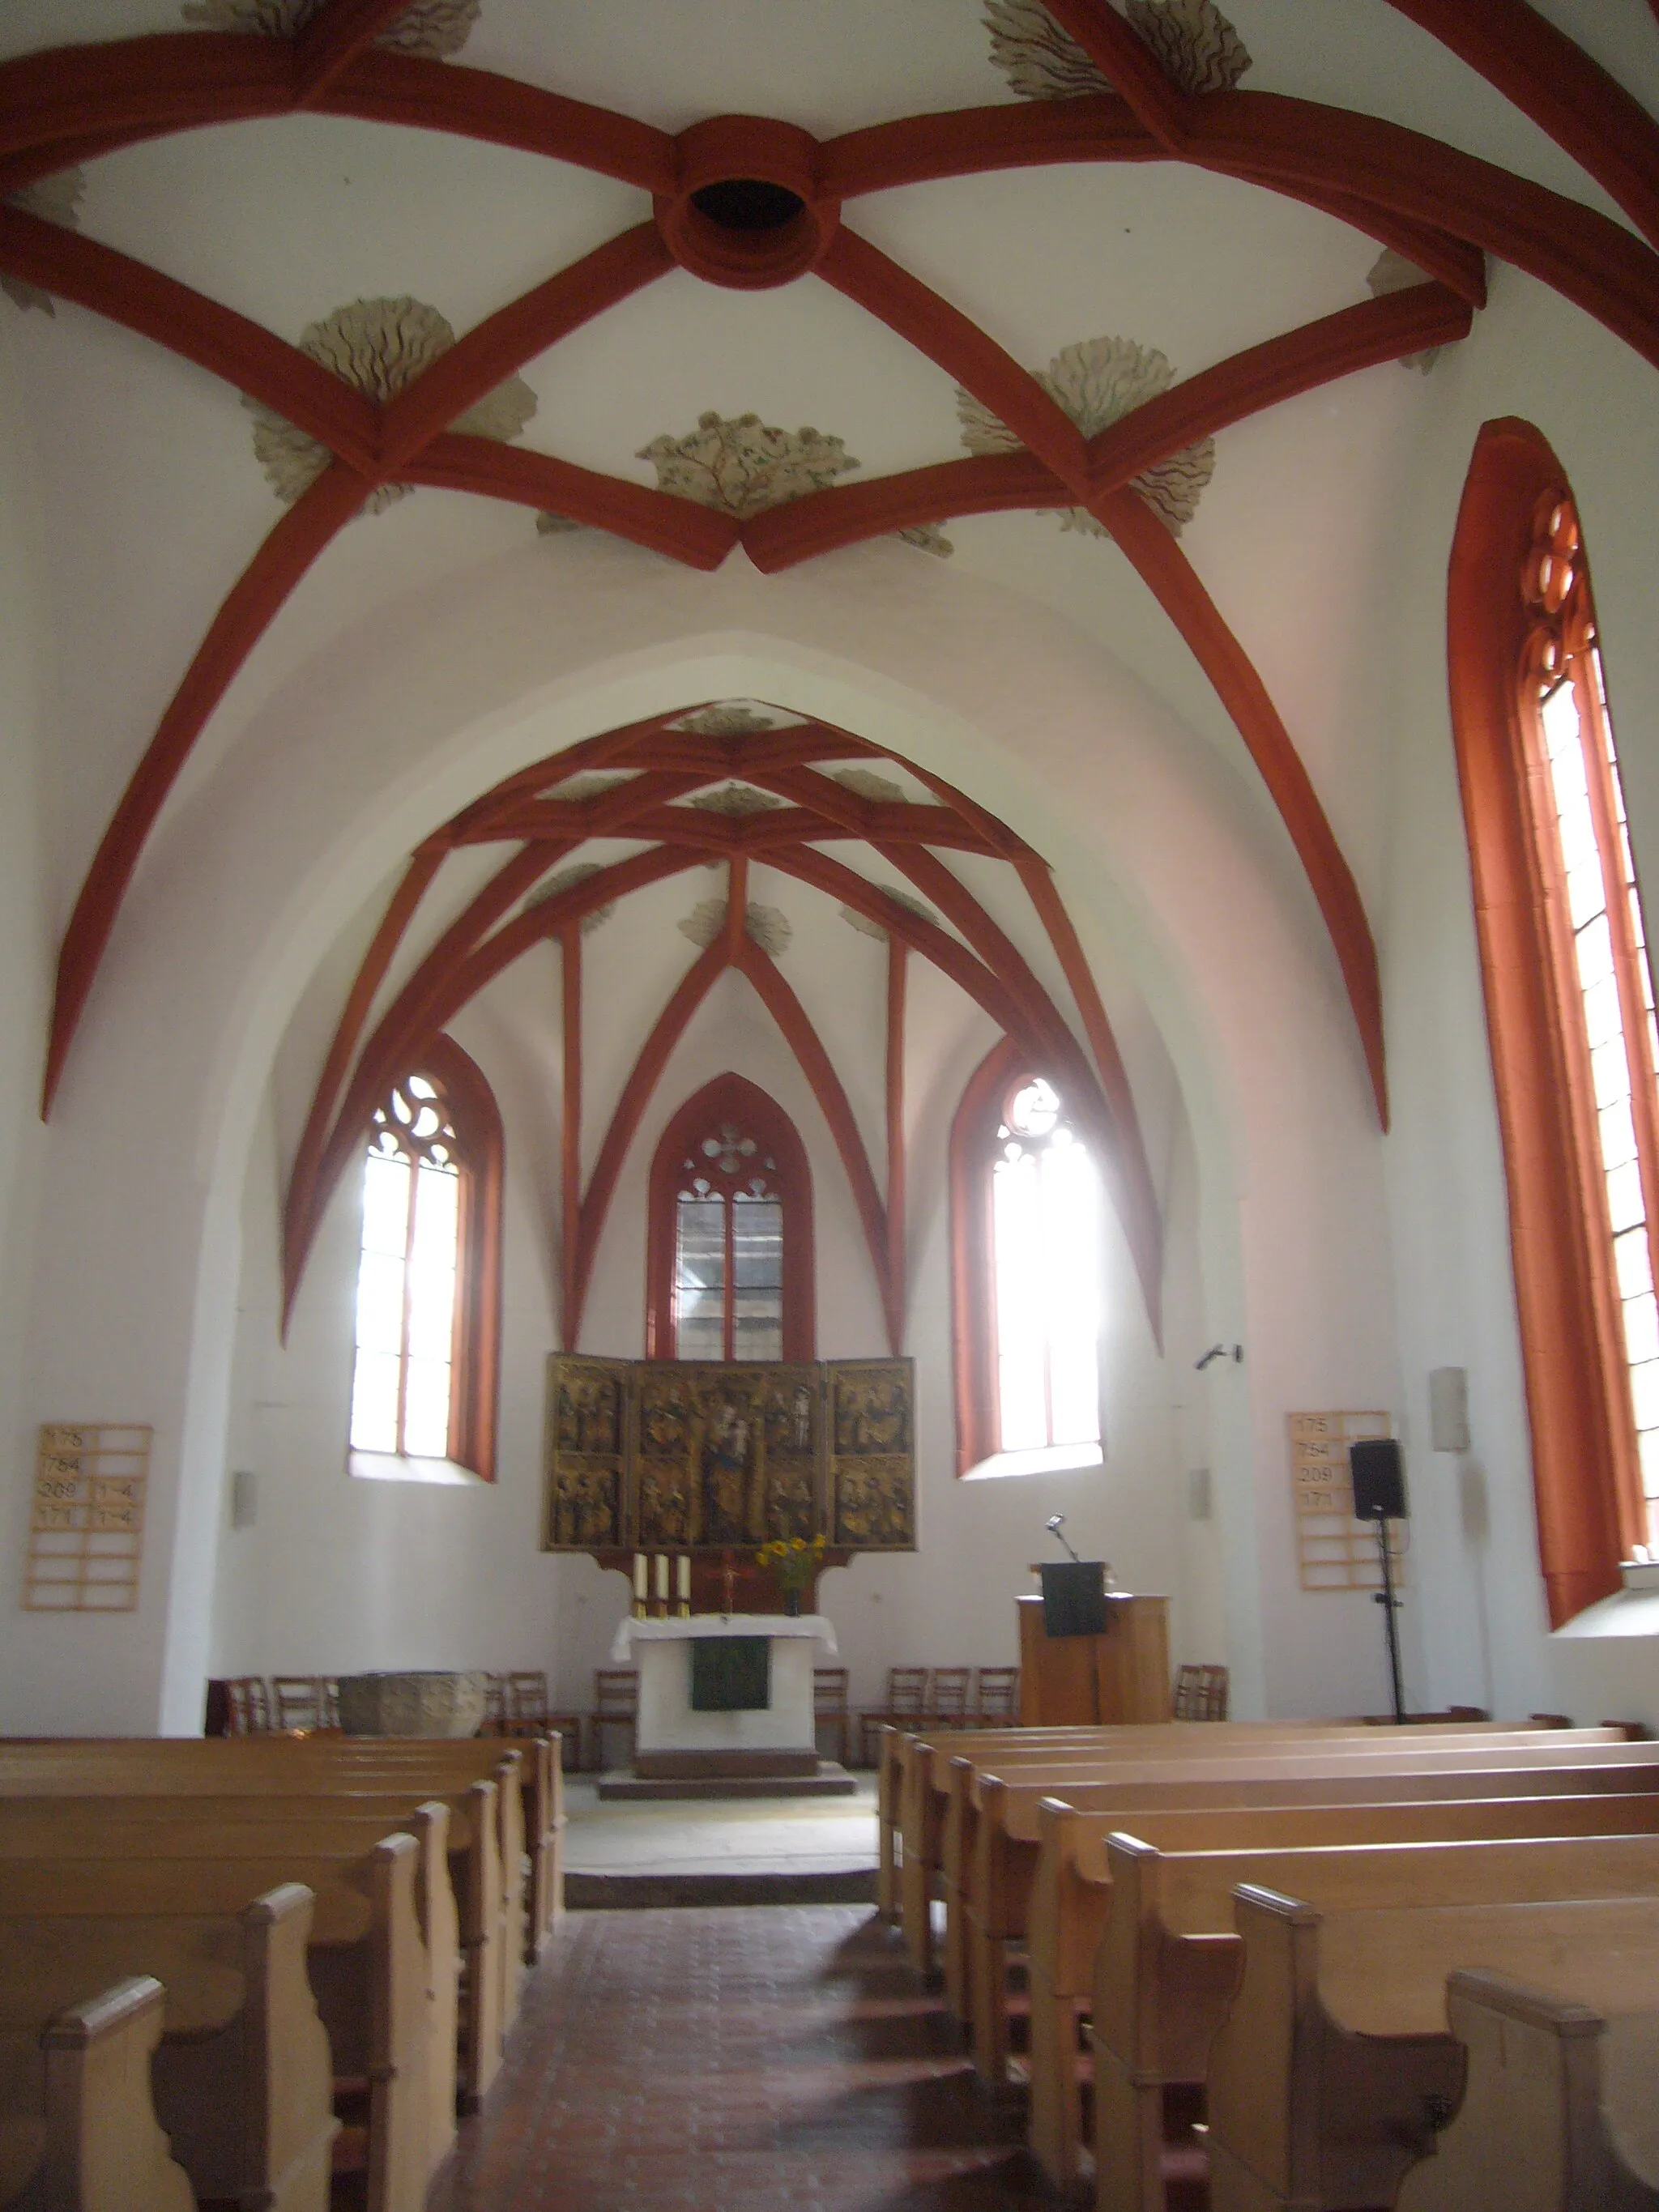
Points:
(1026, 1210)
(424, 1377)
(730, 1246)
(1569, 1008)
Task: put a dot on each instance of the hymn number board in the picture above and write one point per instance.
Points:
(87, 1522)
(688, 1455)
(1334, 1551)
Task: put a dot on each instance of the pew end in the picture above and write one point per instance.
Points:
(1555, 2117)
(104, 2150)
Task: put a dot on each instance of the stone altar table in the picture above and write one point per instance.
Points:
(767, 1749)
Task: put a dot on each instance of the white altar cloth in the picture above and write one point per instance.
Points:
(666, 1722)
(631, 1631)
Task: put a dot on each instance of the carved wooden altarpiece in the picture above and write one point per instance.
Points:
(706, 1457)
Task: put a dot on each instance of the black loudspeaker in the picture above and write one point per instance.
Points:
(1073, 1597)
(1379, 1480)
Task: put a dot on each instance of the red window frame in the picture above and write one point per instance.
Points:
(475, 1355)
(731, 1098)
(1502, 629)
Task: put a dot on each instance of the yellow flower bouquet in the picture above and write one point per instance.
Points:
(794, 1560)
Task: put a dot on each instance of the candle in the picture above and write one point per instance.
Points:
(638, 1577)
(685, 1578)
(662, 1577)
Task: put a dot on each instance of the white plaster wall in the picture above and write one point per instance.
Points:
(1478, 1620)
(25, 980)
(1177, 883)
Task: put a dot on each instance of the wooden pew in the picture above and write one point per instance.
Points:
(1169, 1960)
(540, 1819)
(925, 1769)
(484, 1840)
(993, 1902)
(1072, 1905)
(387, 1995)
(78, 2130)
(1560, 2108)
(898, 1747)
(242, 2078)
(962, 1870)
(1334, 2069)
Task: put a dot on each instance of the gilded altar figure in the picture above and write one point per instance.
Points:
(872, 1410)
(873, 1504)
(790, 1437)
(727, 1461)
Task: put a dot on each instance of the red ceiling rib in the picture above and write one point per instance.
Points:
(1288, 145)
(400, 911)
(63, 105)
(504, 341)
(960, 348)
(897, 1269)
(1171, 577)
(263, 585)
(1318, 353)
(700, 536)
(803, 1039)
(334, 38)
(215, 337)
(570, 1130)
(687, 995)
(1542, 72)
(466, 956)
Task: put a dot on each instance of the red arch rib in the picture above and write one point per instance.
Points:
(687, 996)
(215, 337)
(1174, 583)
(1588, 112)
(804, 1041)
(263, 586)
(334, 38)
(1300, 360)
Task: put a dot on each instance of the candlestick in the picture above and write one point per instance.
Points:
(662, 1577)
(685, 1580)
(639, 1585)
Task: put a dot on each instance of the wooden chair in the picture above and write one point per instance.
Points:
(829, 1703)
(1201, 1694)
(996, 1697)
(494, 1719)
(299, 1701)
(906, 1701)
(528, 1712)
(250, 1705)
(947, 1701)
(616, 1705)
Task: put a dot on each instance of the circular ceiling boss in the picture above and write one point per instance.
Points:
(748, 211)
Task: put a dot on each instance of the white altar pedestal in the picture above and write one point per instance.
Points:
(674, 1744)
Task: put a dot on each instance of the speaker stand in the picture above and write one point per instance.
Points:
(1390, 1605)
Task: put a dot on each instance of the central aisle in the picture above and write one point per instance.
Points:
(767, 2058)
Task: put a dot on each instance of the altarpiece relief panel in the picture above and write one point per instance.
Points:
(688, 1455)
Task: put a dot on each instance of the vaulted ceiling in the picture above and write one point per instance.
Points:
(1105, 305)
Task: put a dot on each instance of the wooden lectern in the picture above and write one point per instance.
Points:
(1085, 1681)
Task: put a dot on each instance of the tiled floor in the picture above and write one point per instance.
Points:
(765, 2059)
(766, 1835)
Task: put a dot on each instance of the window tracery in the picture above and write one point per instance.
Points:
(729, 1240)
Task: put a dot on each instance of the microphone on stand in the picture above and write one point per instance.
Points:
(1057, 1521)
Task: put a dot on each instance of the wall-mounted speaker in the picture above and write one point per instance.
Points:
(1379, 1480)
